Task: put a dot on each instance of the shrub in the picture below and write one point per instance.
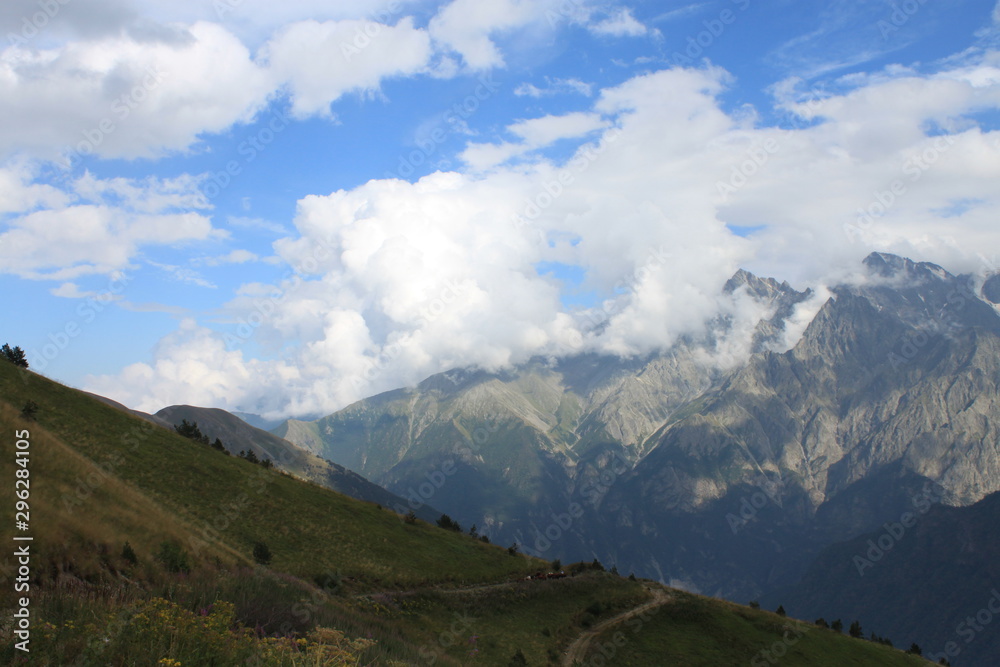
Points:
(173, 557)
(410, 518)
(128, 553)
(29, 410)
(780, 611)
(261, 553)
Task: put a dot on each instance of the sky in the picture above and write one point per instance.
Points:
(282, 208)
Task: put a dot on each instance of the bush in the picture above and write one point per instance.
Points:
(261, 553)
(518, 659)
(837, 626)
(447, 523)
(754, 604)
(821, 623)
(128, 553)
(410, 518)
(855, 630)
(780, 611)
(512, 549)
(173, 557)
(29, 410)
(556, 565)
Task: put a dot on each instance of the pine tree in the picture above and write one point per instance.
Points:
(855, 630)
(14, 355)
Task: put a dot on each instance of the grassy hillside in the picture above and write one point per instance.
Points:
(237, 435)
(693, 630)
(349, 583)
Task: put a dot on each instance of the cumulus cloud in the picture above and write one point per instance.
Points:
(391, 281)
(121, 96)
(322, 61)
(95, 226)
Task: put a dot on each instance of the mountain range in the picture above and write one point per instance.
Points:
(722, 476)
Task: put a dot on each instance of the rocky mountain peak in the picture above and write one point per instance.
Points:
(887, 265)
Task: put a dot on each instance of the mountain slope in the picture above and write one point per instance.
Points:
(237, 435)
(348, 583)
(726, 481)
(920, 577)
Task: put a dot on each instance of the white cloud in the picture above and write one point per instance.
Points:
(534, 133)
(395, 280)
(620, 24)
(323, 61)
(120, 96)
(470, 27)
(238, 256)
(96, 226)
(555, 87)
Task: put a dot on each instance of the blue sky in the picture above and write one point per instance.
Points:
(282, 209)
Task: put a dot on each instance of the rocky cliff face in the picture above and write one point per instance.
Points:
(724, 477)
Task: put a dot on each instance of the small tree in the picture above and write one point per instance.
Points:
(780, 611)
(473, 532)
(191, 431)
(128, 553)
(821, 623)
(484, 539)
(29, 410)
(614, 570)
(837, 626)
(556, 565)
(915, 649)
(754, 604)
(14, 355)
(596, 565)
(512, 549)
(410, 518)
(447, 523)
(261, 553)
(218, 445)
(855, 629)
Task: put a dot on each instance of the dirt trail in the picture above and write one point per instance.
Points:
(577, 651)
